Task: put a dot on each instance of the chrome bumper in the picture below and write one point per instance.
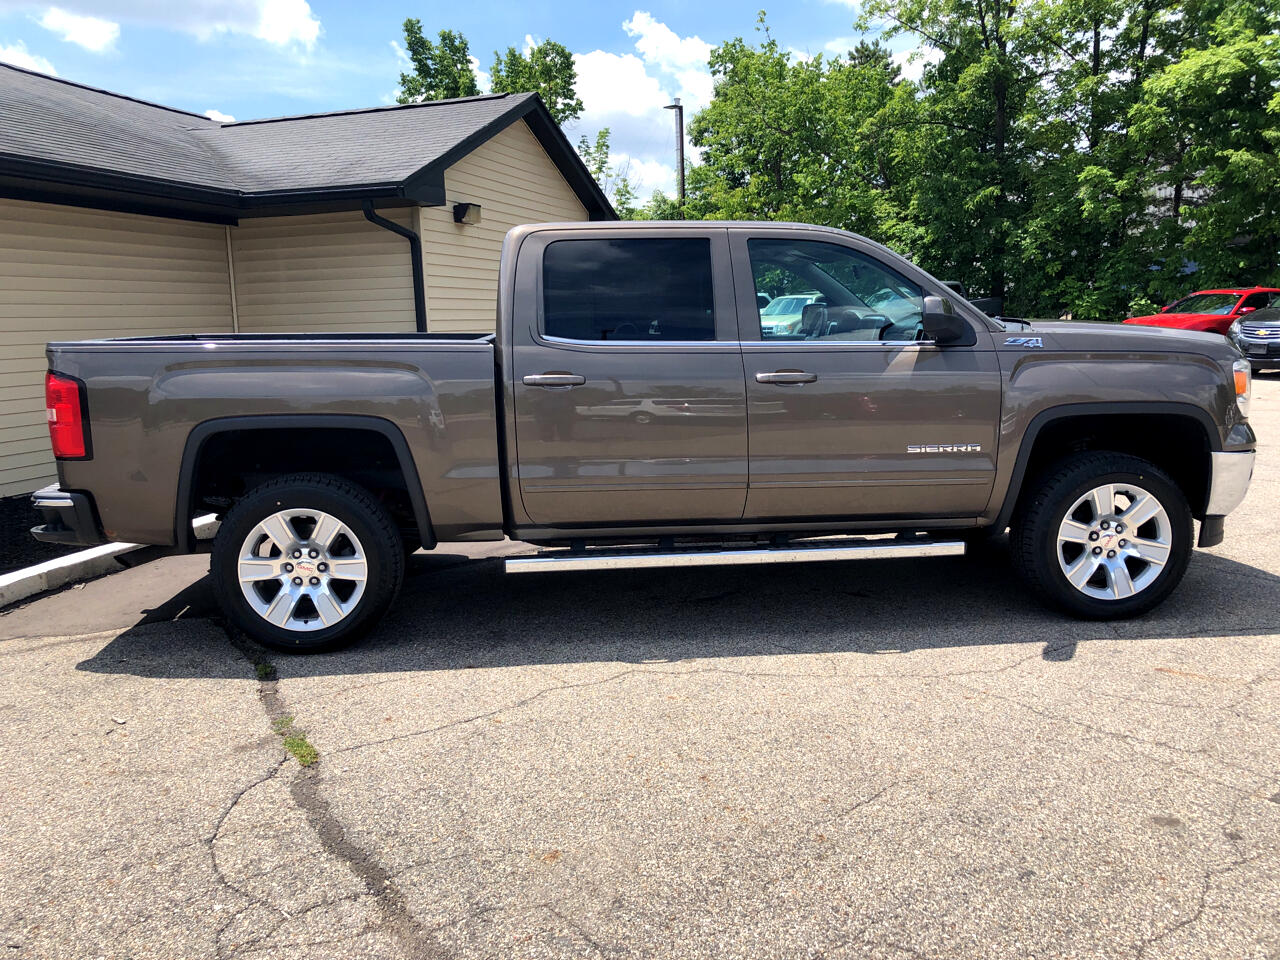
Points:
(1228, 481)
(68, 516)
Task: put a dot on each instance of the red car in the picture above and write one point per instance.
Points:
(1211, 310)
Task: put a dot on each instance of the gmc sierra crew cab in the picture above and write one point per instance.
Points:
(634, 409)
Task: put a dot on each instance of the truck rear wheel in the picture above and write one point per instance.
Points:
(1103, 536)
(306, 563)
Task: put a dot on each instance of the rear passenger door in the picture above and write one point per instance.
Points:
(630, 406)
(852, 414)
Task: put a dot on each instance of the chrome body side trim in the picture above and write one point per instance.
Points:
(615, 560)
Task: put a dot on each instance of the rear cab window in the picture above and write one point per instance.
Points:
(635, 289)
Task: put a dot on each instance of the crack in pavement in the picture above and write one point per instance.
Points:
(414, 941)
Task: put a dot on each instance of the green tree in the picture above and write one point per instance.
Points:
(547, 70)
(612, 178)
(441, 70)
(822, 141)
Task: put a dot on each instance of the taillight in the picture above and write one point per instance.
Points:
(64, 405)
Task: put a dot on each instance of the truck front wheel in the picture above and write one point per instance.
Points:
(306, 563)
(1103, 536)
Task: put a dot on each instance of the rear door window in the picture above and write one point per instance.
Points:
(640, 289)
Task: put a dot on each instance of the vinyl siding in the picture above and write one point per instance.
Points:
(72, 274)
(515, 182)
(330, 272)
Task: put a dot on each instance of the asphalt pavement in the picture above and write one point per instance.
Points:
(885, 759)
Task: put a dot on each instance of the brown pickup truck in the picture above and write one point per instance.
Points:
(658, 394)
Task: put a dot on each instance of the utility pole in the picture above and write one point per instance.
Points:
(679, 153)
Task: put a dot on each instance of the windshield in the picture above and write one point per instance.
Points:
(1216, 303)
(784, 305)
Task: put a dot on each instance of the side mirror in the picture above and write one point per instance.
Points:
(1244, 310)
(944, 326)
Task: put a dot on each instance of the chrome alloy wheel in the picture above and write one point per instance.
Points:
(1114, 541)
(302, 570)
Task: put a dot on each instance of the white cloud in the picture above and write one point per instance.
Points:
(92, 33)
(646, 176)
(626, 92)
(17, 54)
(220, 116)
(483, 80)
(912, 62)
(284, 23)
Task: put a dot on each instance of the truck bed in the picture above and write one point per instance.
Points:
(150, 398)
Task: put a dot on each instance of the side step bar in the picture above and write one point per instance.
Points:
(843, 548)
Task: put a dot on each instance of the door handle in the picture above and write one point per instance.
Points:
(786, 376)
(554, 380)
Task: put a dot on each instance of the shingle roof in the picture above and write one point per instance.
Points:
(53, 131)
(353, 147)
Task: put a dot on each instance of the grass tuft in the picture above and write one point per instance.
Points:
(301, 749)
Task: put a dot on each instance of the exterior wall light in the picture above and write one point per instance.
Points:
(468, 213)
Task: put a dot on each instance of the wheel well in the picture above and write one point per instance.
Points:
(1176, 444)
(232, 462)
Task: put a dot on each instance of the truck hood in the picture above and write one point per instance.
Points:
(1179, 321)
(1117, 337)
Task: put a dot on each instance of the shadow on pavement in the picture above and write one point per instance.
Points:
(456, 613)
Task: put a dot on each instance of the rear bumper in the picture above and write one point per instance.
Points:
(68, 517)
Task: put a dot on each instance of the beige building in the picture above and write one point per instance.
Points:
(123, 218)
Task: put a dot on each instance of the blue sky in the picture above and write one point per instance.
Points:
(258, 58)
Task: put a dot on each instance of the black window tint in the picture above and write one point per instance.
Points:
(632, 289)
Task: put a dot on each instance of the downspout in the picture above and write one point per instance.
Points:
(415, 256)
(231, 278)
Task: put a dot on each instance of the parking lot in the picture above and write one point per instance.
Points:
(884, 759)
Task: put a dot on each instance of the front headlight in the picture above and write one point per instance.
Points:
(1242, 372)
(1233, 331)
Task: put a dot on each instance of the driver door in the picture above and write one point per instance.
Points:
(852, 415)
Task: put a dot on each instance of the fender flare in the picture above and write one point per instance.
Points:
(184, 508)
(1101, 408)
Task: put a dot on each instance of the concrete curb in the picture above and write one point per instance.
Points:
(93, 562)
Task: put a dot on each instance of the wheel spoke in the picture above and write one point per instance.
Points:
(1073, 532)
(1103, 501)
(282, 607)
(252, 569)
(278, 528)
(1141, 510)
(327, 528)
(348, 568)
(1121, 582)
(327, 607)
(1082, 569)
(1150, 551)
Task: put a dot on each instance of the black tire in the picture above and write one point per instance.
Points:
(353, 506)
(1033, 537)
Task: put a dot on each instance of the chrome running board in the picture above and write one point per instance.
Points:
(833, 548)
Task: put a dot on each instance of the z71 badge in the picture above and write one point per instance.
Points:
(1031, 343)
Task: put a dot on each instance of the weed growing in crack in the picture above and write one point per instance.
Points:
(301, 749)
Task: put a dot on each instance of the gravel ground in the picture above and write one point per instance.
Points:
(895, 759)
